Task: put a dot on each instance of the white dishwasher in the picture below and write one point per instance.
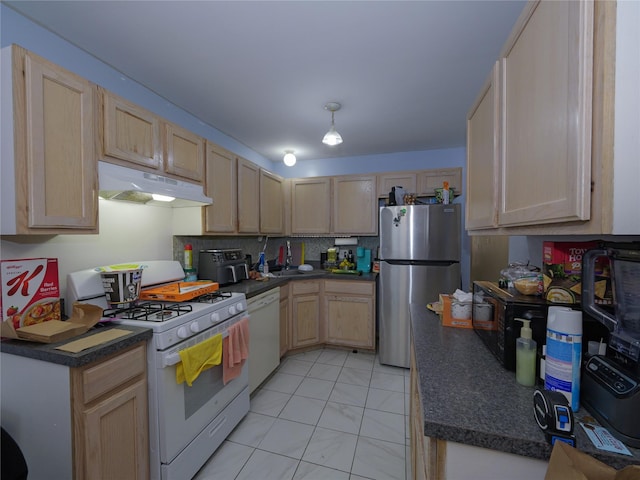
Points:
(264, 336)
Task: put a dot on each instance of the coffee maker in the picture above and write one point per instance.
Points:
(611, 382)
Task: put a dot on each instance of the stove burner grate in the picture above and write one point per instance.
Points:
(212, 297)
(149, 311)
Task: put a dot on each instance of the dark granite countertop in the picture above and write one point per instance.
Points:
(47, 351)
(251, 288)
(468, 397)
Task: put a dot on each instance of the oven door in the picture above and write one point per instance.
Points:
(184, 411)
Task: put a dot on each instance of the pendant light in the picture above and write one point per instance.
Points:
(289, 158)
(332, 137)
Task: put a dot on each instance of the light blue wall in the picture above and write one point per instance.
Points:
(15, 28)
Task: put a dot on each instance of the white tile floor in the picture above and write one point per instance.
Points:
(326, 414)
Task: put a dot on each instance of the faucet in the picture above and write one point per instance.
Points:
(287, 262)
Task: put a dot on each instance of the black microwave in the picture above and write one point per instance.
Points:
(494, 314)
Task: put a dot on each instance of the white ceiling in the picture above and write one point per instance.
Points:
(405, 72)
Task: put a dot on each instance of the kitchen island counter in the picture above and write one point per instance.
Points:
(469, 398)
(47, 352)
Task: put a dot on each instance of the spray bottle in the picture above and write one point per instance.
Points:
(526, 355)
(564, 353)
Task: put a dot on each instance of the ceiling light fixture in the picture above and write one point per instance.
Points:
(289, 158)
(332, 137)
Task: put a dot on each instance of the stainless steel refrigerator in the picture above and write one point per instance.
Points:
(419, 259)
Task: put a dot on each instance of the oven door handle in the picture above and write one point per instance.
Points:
(173, 358)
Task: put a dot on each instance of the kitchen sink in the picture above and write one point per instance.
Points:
(288, 273)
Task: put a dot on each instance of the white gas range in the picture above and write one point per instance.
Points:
(186, 424)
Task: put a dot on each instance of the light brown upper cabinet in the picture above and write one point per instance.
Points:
(546, 94)
(183, 153)
(222, 187)
(132, 135)
(52, 133)
(248, 197)
(421, 182)
(406, 180)
(482, 157)
(272, 204)
(130, 132)
(355, 205)
(311, 205)
(429, 180)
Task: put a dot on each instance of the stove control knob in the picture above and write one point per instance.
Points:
(215, 317)
(183, 332)
(232, 310)
(194, 327)
(240, 307)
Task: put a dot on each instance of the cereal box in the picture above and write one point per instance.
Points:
(562, 272)
(30, 291)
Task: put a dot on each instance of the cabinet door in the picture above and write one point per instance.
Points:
(284, 320)
(183, 153)
(117, 435)
(130, 132)
(305, 311)
(311, 205)
(355, 205)
(482, 157)
(406, 180)
(546, 88)
(429, 180)
(271, 203)
(350, 321)
(248, 197)
(222, 186)
(56, 170)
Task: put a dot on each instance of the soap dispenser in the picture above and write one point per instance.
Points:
(526, 355)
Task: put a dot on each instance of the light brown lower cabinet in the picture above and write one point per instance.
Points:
(285, 335)
(110, 423)
(349, 312)
(328, 312)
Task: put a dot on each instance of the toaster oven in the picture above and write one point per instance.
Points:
(494, 317)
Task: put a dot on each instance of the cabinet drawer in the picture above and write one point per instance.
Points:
(348, 288)
(104, 377)
(305, 287)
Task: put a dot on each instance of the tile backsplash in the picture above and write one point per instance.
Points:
(313, 246)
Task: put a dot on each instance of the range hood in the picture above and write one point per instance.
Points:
(129, 185)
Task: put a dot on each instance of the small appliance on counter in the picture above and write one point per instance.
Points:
(494, 313)
(224, 266)
(610, 384)
(363, 263)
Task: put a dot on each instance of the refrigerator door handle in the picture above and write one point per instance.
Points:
(434, 263)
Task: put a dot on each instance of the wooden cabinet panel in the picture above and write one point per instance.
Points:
(110, 422)
(407, 180)
(285, 320)
(305, 313)
(248, 197)
(482, 157)
(54, 150)
(545, 164)
(222, 186)
(355, 205)
(130, 132)
(350, 321)
(183, 153)
(116, 436)
(429, 180)
(311, 205)
(271, 203)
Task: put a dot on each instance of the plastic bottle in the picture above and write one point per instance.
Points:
(526, 355)
(564, 353)
(445, 193)
(188, 256)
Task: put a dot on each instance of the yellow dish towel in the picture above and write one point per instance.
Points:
(199, 358)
